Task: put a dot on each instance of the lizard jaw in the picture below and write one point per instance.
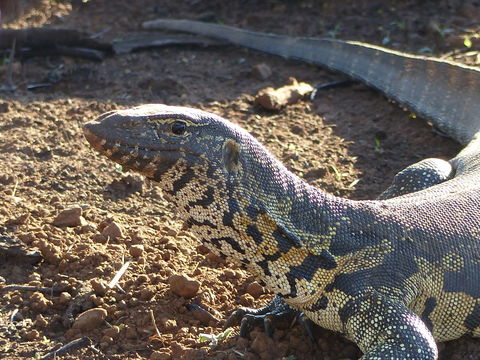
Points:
(150, 161)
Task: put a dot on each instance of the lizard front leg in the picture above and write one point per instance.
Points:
(384, 328)
(419, 176)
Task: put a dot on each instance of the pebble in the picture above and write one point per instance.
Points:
(27, 238)
(183, 285)
(70, 217)
(229, 273)
(146, 294)
(90, 319)
(246, 300)
(99, 286)
(136, 250)
(106, 339)
(49, 252)
(19, 220)
(262, 345)
(160, 355)
(167, 324)
(275, 99)
(64, 298)
(112, 332)
(40, 322)
(31, 335)
(39, 303)
(262, 71)
(255, 289)
(113, 231)
(170, 232)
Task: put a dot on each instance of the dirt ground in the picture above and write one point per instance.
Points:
(349, 141)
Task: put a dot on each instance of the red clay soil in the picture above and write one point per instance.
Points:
(349, 141)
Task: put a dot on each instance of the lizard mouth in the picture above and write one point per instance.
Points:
(151, 163)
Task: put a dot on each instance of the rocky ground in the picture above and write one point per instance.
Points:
(89, 221)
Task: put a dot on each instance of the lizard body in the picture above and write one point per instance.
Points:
(392, 275)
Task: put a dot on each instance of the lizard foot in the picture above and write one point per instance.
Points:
(276, 314)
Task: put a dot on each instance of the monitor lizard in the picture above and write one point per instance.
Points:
(395, 274)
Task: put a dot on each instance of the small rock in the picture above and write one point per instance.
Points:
(99, 238)
(146, 294)
(64, 298)
(39, 303)
(27, 238)
(31, 335)
(246, 300)
(262, 343)
(4, 107)
(34, 277)
(215, 258)
(136, 250)
(106, 339)
(183, 285)
(90, 319)
(113, 231)
(202, 249)
(19, 220)
(262, 71)
(40, 322)
(70, 217)
(49, 252)
(112, 332)
(255, 289)
(275, 99)
(128, 184)
(229, 273)
(99, 286)
(170, 232)
(167, 324)
(55, 199)
(160, 355)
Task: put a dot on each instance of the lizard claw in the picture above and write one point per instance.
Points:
(269, 320)
(236, 317)
(307, 324)
(276, 314)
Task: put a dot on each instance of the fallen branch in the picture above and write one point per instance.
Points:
(72, 345)
(38, 38)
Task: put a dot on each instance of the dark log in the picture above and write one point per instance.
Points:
(49, 38)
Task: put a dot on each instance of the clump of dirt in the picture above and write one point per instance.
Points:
(116, 265)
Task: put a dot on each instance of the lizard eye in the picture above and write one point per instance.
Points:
(178, 127)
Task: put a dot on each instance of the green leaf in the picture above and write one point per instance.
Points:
(467, 42)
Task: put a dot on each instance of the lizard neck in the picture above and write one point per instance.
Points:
(263, 217)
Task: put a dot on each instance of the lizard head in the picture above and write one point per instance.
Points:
(177, 147)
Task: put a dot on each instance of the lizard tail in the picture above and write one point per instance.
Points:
(446, 93)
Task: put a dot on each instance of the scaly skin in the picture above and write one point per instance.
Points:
(391, 275)
(445, 92)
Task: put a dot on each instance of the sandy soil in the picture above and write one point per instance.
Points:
(349, 141)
